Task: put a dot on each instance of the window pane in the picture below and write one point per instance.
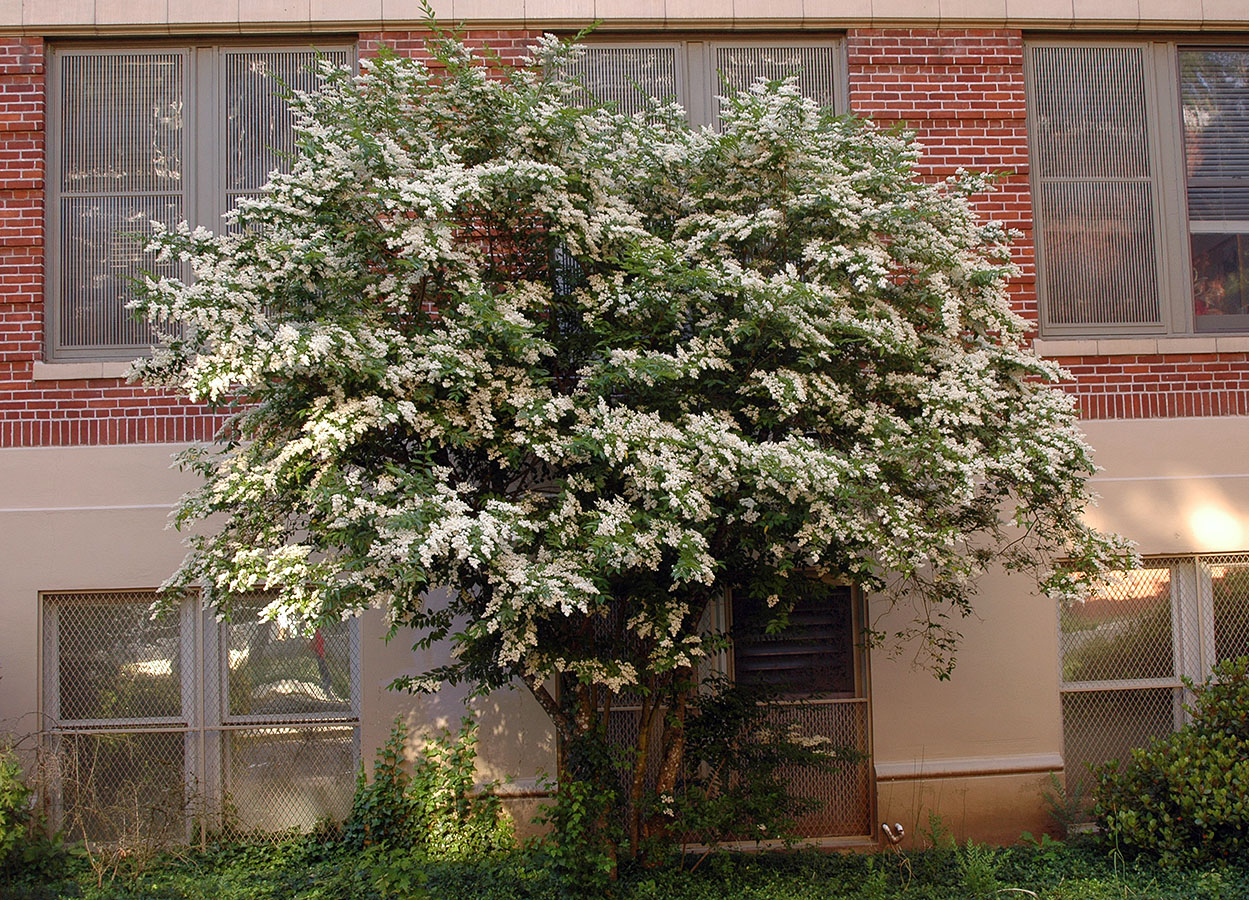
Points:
(1214, 88)
(1090, 114)
(738, 67)
(114, 661)
(281, 778)
(115, 786)
(101, 253)
(259, 137)
(122, 122)
(278, 672)
(1099, 726)
(1100, 267)
(122, 130)
(1220, 267)
(1125, 632)
(1231, 610)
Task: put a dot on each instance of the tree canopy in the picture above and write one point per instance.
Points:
(589, 371)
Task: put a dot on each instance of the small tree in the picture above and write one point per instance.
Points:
(589, 371)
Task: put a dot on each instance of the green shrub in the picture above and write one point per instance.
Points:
(1185, 798)
(436, 809)
(15, 817)
(27, 852)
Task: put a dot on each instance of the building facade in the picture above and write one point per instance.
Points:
(1122, 130)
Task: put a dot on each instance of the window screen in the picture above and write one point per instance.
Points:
(1096, 193)
(127, 126)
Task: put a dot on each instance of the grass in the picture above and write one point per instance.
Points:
(310, 869)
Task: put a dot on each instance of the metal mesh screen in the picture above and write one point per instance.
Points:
(629, 77)
(275, 672)
(289, 777)
(121, 785)
(1096, 191)
(1124, 652)
(1099, 726)
(739, 66)
(844, 795)
(1229, 589)
(1123, 633)
(113, 662)
(158, 724)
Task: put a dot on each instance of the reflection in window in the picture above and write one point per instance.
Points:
(1214, 88)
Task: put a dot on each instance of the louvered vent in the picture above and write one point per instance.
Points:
(813, 655)
(629, 77)
(259, 137)
(740, 66)
(121, 165)
(1096, 186)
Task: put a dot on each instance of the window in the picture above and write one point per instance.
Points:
(1124, 652)
(696, 73)
(1140, 167)
(155, 724)
(817, 669)
(143, 133)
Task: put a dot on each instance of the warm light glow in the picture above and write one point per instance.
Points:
(1215, 528)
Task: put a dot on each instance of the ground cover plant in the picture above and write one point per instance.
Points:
(309, 868)
(587, 372)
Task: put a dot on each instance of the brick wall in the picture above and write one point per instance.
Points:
(961, 90)
(509, 46)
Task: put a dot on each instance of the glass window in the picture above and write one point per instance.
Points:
(1107, 167)
(1214, 88)
(127, 126)
(153, 725)
(696, 73)
(1125, 652)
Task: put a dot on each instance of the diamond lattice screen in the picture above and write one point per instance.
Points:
(156, 726)
(1095, 185)
(1124, 651)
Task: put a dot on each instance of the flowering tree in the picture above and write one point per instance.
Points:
(591, 371)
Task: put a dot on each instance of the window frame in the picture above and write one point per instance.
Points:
(1171, 222)
(203, 163)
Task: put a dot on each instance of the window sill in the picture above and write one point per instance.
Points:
(79, 371)
(1140, 346)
